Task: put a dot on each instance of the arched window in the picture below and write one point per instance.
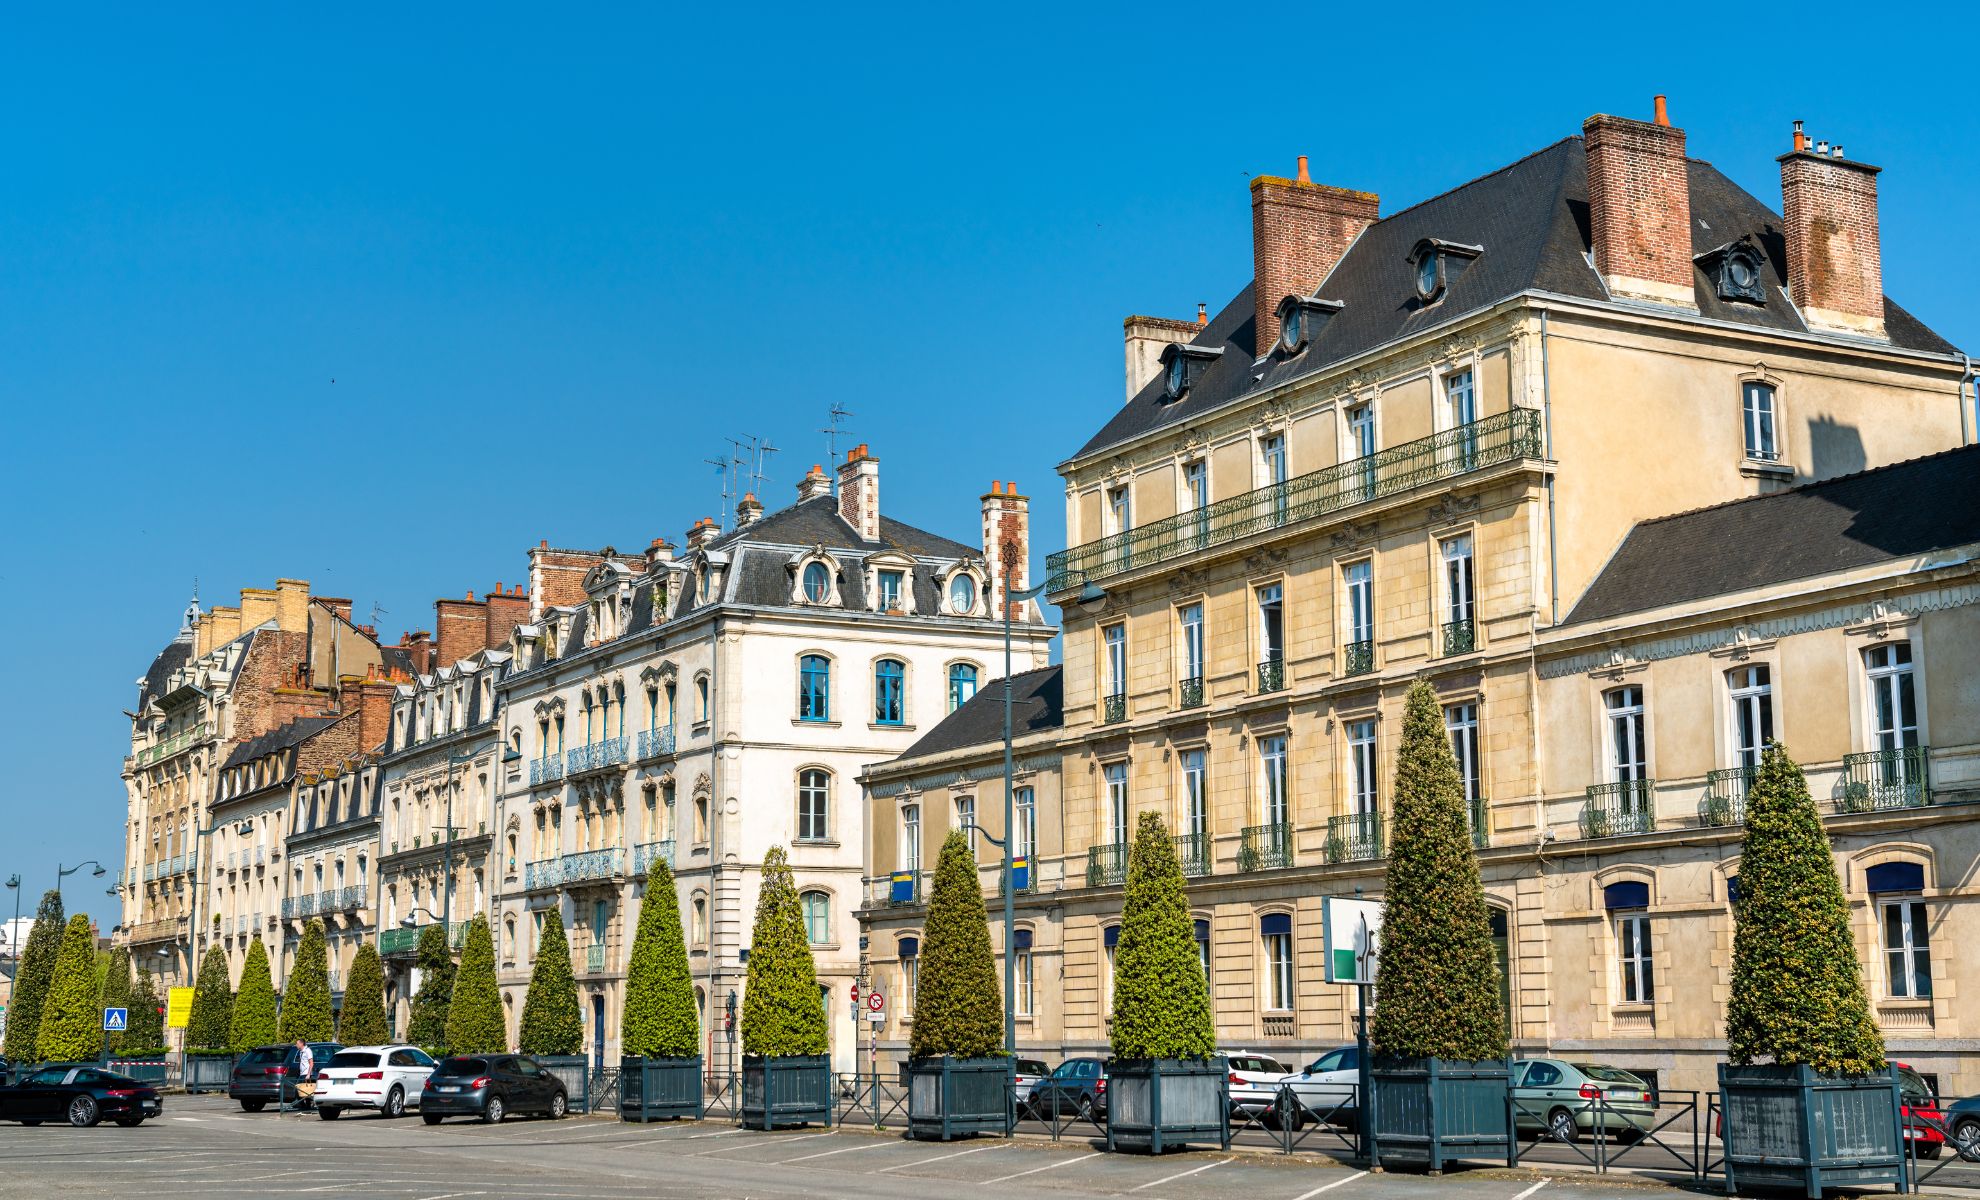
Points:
(698, 927)
(814, 687)
(962, 684)
(814, 805)
(889, 692)
(817, 582)
(962, 593)
(817, 917)
(700, 698)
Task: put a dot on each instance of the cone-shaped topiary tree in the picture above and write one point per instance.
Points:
(32, 975)
(71, 1021)
(306, 1012)
(1797, 988)
(144, 1036)
(958, 1003)
(551, 1023)
(781, 1011)
(210, 1025)
(1161, 1000)
(1438, 975)
(474, 1019)
(254, 1003)
(117, 994)
(659, 1019)
(428, 1025)
(362, 1021)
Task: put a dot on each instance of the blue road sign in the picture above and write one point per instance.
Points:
(114, 1019)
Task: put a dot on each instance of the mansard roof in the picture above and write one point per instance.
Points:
(294, 733)
(158, 677)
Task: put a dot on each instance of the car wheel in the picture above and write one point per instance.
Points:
(253, 1105)
(395, 1102)
(130, 1122)
(494, 1111)
(83, 1112)
(558, 1107)
(1967, 1134)
(1560, 1124)
(329, 1114)
(1085, 1110)
(1928, 1150)
(430, 1118)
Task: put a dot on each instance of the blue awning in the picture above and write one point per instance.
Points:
(1112, 936)
(1629, 894)
(910, 947)
(1021, 939)
(1895, 877)
(1272, 923)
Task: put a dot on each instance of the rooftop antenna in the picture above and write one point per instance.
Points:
(725, 466)
(377, 610)
(832, 431)
(750, 452)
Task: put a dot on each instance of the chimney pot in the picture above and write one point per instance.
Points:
(1202, 313)
(1800, 138)
(1303, 177)
(1663, 112)
(544, 544)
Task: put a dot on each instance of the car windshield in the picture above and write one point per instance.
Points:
(462, 1066)
(1067, 1070)
(1603, 1074)
(267, 1054)
(1253, 1062)
(1030, 1066)
(1912, 1085)
(354, 1058)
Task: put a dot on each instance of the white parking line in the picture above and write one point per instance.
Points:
(940, 1157)
(802, 1137)
(1529, 1191)
(724, 1133)
(194, 1120)
(828, 1153)
(1179, 1175)
(1327, 1187)
(451, 1195)
(1067, 1162)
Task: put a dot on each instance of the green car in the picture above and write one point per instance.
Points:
(1566, 1099)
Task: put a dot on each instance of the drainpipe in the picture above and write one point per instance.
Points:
(1966, 380)
(1547, 427)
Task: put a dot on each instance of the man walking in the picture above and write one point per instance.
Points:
(305, 1075)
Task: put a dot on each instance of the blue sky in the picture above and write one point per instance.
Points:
(379, 297)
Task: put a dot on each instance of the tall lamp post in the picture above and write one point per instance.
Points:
(14, 930)
(447, 849)
(62, 872)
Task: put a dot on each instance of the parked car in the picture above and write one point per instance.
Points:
(1327, 1087)
(268, 1073)
(1963, 1118)
(1918, 1101)
(1030, 1072)
(6, 1071)
(81, 1094)
(491, 1086)
(1254, 1080)
(387, 1078)
(1567, 1099)
(1077, 1085)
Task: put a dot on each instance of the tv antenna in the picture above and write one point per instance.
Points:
(377, 610)
(833, 431)
(725, 466)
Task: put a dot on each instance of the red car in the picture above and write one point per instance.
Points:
(1919, 1102)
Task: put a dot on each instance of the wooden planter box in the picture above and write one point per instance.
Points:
(949, 1097)
(1437, 1110)
(793, 1089)
(574, 1071)
(1792, 1127)
(208, 1073)
(659, 1089)
(1156, 1103)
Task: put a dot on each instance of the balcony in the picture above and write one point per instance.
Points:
(590, 865)
(1262, 847)
(1272, 674)
(1114, 708)
(1356, 837)
(1878, 780)
(594, 960)
(401, 940)
(1193, 849)
(298, 906)
(1460, 637)
(645, 855)
(548, 769)
(1502, 438)
(1106, 865)
(1478, 815)
(1189, 692)
(656, 743)
(598, 756)
(1358, 658)
(1725, 797)
(1616, 809)
(182, 740)
(336, 981)
(544, 875)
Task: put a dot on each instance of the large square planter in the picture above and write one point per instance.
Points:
(1793, 1127)
(574, 1072)
(794, 1089)
(659, 1089)
(949, 1097)
(149, 1068)
(1156, 1103)
(207, 1073)
(1436, 1110)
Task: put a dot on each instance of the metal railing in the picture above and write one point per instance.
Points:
(1189, 692)
(1194, 851)
(406, 941)
(1624, 807)
(1272, 674)
(548, 769)
(1725, 796)
(590, 864)
(594, 959)
(172, 745)
(610, 752)
(1113, 709)
(1358, 658)
(653, 743)
(1264, 846)
(1478, 815)
(1106, 864)
(1494, 440)
(1460, 636)
(1356, 837)
(648, 853)
(546, 873)
(1882, 779)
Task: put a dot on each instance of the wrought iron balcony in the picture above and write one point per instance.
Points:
(1624, 807)
(1883, 779)
(594, 959)
(1194, 851)
(591, 864)
(656, 743)
(540, 876)
(1189, 692)
(1501, 438)
(1478, 815)
(1725, 796)
(1356, 837)
(401, 940)
(336, 980)
(648, 853)
(298, 906)
(183, 740)
(548, 769)
(1358, 658)
(356, 895)
(611, 752)
(1106, 865)
(1115, 708)
(1272, 674)
(1460, 637)
(1264, 846)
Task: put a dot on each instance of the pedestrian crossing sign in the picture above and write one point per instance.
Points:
(114, 1019)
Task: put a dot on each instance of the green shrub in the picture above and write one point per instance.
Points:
(1797, 987)
(209, 1027)
(551, 1023)
(781, 1010)
(361, 1022)
(474, 1019)
(1161, 1000)
(958, 1003)
(71, 1022)
(145, 1034)
(1438, 974)
(306, 1012)
(659, 1019)
(32, 976)
(428, 1026)
(117, 994)
(254, 1004)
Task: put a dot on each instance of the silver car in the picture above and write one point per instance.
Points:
(1567, 1099)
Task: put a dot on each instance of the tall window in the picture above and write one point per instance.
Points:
(817, 917)
(698, 931)
(1120, 510)
(814, 687)
(889, 692)
(1633, 957)
(1752, 693)
(1363, 798)
(701, 820)
(1757, 408)
(1361, 446)
(1110, 938)
(1357, 580)
(1460, 398)
(1114, 648)
(910, 837)
(1272, 768)
(890, 590)
(1024, 803)
(966, 814)
(1893, 706)
(700, 699)
(1626, 756)
(1196, 815)
(817, 582)
(1461, 722)
(1190, 619)
(1117, 803)
(1196, 499)
(1025, 992)
(910, 969)
(814, 805)
(1275, 930)
(1459, 631)
(1907, 949)
(1272, 455)
(962, 684)
(1272, 623)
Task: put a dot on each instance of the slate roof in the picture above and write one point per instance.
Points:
(1904, 510)
(170, 659)
(1037, 704)
(1531, 218)
(816, 522)
(395, 658)
(293, 734)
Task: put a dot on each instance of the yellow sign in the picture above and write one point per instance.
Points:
(178, 1007)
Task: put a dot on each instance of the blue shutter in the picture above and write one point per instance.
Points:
(1021, 939)
(910, 947)
(1112, 937)
(1626, 895)
(1732, 888)
(1203, 931)
(1895, 877)
(1272, 923)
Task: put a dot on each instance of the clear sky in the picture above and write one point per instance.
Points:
(379, 296)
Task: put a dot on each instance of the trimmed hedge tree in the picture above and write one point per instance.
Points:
(1438, 975)
(362, 1021)
(32, 975)
(781, 1012)
(306, 1011)
(551, 1023)
(659, 1020)
(117, 994)
(427, 1027)
(71, 1022)
(1797, 987)
(1161, 1000)
(474, 1019)
(210, 1025)
(958, 1008)
(145, 1034)
(254, 1004)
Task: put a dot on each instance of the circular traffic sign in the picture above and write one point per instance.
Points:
(876, 1001)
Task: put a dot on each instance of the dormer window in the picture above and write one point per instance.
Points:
(1438, 264)
(817, 582)
(1184, 364)
(1735, 268)
(1300, 320)
(962, 593)
(890, 590)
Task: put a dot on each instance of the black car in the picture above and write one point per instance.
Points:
(491, 1086)
(268, 1073)
(1077, 1085)
(79, 1093)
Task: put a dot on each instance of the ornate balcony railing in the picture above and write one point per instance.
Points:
(548, 873)
(1106, 864)
(1356, 837)
(1725, 796)
(182, 740)
(1264, 846)
(648, 853)
(611, 752)
(1478, 815)
(298, 906)
(401, 940)
(1189, 692)
(1883, 779)
(1272, 674)
(356, 895)
(548, 769)
(594, 959)
(1194, 851)
(590, 864)
(1460, 636)
(656, 743)
(1615, 809)
(1502, 438)
(1114, 708)
(1358, 658)
(336, 980)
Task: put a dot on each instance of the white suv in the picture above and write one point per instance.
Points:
(387, 1078)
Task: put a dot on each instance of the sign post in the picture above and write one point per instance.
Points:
(115, 1019)
(1351, 932)
(876, 1012)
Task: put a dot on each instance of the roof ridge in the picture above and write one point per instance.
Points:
(1810, 486)
(1573, 137)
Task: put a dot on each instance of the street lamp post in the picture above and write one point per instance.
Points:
(447, 849)
(14, 930)
(62, 872)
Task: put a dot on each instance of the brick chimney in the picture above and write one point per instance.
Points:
(1299, 230)
(749, 510)
(460, 626)
(1834, 250)
(703, 532)
(556, 577)
(370, 698)
(1145, 337)
(506, 610)
(859, 492)
(1006, 542)
(1639, 208)
(418, 646)
(815, 484)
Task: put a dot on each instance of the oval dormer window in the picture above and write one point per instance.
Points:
(817, 583)
(1177, 375)
(1289, 330)
(1426, 274)
(1740, 272)
(962, 594)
